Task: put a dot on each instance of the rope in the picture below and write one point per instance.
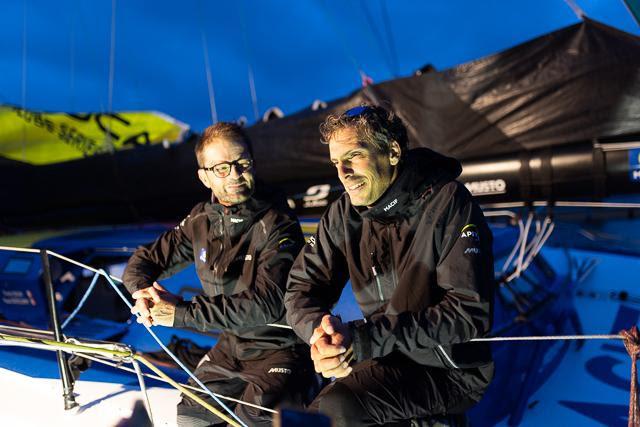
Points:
(82, 301)
(68, 347)
(632, 344)
(173, 356)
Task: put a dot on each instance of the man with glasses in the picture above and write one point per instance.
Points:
(419, 256)
(243, 243)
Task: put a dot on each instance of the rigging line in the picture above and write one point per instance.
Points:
(23, 82)
(576, 9)
(158, 378)
(390, 38)
(207, 67)
(143, 389)
(582, 276)
(82, 301)
(537, 237)
(69, 347)
(27, 250)
(506, 213)
(514, 250)
(523, 244)
(112, 60)
(533, 253)
(564, 204)
(539, 246)
(634, 14)
(340, 36)
(550, 338)
(518, 300)
(252, 83)
(72, 56)
(374, 29)
(207, 70)
(173, 356)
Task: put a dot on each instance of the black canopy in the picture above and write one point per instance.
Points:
(578, 83)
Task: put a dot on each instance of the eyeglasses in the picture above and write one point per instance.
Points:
(223, 169)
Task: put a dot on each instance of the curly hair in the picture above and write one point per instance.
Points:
(221, 130)
(375, 125)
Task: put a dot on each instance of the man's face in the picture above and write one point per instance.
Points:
(238, 186)
(364, 171)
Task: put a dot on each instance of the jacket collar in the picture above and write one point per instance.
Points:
(238, 218)
(419, 170)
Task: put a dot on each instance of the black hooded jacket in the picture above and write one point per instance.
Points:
(420, 263)
(242, 256)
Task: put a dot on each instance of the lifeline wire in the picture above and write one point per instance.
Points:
(143, 389)
(111, 280)
(82, 301)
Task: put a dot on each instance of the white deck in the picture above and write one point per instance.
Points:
(28, 401)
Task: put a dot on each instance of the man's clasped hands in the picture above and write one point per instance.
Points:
(330, 342)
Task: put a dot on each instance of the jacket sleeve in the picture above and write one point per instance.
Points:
(317, 278)
(465, 274)
(171, 252)
(259, 305)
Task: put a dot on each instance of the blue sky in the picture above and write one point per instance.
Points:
(55, 54)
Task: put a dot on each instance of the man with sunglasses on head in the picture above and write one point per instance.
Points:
(243, 243)
(418, 253)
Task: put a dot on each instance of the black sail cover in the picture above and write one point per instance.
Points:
(580, 83)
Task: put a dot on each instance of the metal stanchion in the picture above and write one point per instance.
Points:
(63, 365)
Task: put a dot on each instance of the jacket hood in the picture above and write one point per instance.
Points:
(420, 169)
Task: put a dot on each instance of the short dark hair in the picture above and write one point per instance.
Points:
(375, 125)
(222, 130)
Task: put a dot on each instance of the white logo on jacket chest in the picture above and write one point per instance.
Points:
(236, 220)
(203, 255)
(390, 205)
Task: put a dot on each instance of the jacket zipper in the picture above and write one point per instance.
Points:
(393, 270)
(448, 358)
(375, 275)
(379, 286)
